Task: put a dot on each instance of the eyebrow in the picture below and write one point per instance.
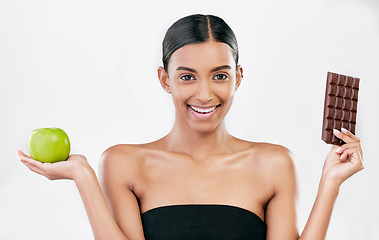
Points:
(213, 70)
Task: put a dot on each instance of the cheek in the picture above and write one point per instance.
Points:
(180, 95)
(181, 91)
(226, 91)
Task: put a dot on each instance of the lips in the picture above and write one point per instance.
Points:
(203, 112)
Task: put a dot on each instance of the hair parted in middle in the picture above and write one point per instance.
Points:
(197, 28)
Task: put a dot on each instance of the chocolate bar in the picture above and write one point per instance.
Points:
(340, 106)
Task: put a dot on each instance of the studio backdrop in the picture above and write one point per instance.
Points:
(90, 68)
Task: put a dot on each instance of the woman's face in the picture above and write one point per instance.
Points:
(202, 79)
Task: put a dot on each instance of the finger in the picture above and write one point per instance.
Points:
(356, 145)
(335, 148)
(21, 155)
(342, 148)
(343, 136)
(353, 156)
(360, 151)
(33, 167)
(39, 167)
(350, 134)
(33, 162)
(360, 155)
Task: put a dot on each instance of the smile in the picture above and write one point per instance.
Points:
(204, 110)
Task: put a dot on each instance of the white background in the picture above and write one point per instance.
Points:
(89, 67)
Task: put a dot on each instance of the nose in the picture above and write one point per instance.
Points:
(204, 91)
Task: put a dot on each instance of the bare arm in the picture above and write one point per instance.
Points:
(340, 164)
(118, 171)
(280, 213)
(76, 168)
(318, 221)
(103, 224)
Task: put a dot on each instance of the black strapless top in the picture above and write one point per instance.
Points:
(202, 222)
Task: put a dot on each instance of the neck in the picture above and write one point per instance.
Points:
(197, 144)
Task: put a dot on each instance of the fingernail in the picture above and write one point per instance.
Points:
(344, 130)
(338, 149)
(336, 131)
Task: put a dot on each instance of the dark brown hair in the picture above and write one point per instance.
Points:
(196, 29)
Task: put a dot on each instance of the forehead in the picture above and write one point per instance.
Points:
(202, 55)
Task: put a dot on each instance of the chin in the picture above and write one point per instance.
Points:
(205, 127)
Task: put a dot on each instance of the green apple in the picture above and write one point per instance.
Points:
(49, 145)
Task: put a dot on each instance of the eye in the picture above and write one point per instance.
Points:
(186, 77)
(221, 76)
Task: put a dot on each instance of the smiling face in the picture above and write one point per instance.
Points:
(202, 79)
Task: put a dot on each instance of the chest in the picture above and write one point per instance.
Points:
(223, 182)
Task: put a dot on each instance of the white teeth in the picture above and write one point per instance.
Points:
(204, 110)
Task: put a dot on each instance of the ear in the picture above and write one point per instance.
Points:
(164, 79)
(239, 76)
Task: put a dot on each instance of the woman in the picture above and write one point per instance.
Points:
(199, 182)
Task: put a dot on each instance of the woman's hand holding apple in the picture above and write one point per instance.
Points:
(49, 149)
(69, 169)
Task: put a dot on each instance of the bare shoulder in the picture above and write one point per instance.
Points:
(273, 152)
(120, 150)
(275, 158)
(120, 154)
(121, 163)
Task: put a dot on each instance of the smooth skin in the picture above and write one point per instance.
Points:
(199, 162)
